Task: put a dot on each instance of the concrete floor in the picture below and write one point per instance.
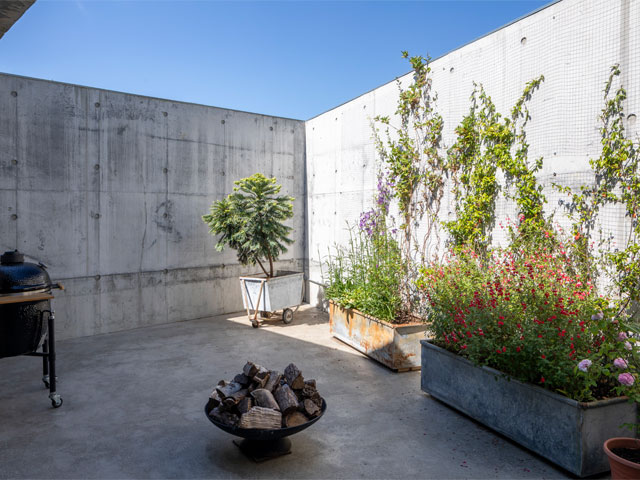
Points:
(133, 408)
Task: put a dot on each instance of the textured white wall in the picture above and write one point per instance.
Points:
(572, 43)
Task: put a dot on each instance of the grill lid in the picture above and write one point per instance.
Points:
(18, 276)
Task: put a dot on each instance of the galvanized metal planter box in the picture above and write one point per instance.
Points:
(396, 346)
(284, 290)
(568, 433)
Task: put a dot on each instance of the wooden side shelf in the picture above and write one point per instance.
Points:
(36, 297)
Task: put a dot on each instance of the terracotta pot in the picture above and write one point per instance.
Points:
(622, 469)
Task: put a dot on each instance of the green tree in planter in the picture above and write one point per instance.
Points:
(250, 220)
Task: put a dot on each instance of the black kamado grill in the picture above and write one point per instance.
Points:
(25, 294)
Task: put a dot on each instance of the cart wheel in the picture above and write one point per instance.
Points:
(287, 316)
(254, 324)
(56, 401)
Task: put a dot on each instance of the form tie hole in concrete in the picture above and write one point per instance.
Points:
(523, 41)
(97, 277)
(164, 114)
(14, 217)
(165, 215)
(96, 167)
(165, 170)
(14, 94)
(222, 122)
(97, 104)
(14, 161)
(271, 128)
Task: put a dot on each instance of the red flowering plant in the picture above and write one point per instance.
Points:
(531, 315)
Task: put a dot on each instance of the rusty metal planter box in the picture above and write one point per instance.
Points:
(567, 432)
(396, 346)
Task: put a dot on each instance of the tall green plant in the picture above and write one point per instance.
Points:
(367, 274)
(250, 221)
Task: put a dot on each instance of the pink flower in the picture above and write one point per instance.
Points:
(626, 379)
(628, 346)
(521, 217)
(620, 363)
(622, 337)
(584, 365)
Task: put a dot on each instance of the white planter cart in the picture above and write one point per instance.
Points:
(264, 296)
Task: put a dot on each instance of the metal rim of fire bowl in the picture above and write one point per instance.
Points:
(262, 434)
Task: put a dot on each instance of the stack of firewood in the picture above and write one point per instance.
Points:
(266, 399)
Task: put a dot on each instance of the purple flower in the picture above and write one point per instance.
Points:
(597, 316)
(620, 363)
(584, 365)
(622, 337)
(628, 346)
(368, 221)
(626, 379)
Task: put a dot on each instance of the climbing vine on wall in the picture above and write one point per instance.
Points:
(410, 153)
(486, 143)
(617, 182)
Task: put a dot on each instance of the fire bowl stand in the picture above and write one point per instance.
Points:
(262, 450)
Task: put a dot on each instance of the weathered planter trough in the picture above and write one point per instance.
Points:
(396, 346)
(567, 432)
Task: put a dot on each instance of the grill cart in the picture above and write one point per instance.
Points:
(25, 302)
(263, 296)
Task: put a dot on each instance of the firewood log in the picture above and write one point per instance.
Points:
(287, 400)
(294, 377)
(242, 379)
(250, 369)
(234, 399)
(245, 405)
(259, 417)
(294, 419)
(224, 417)
(274, 380)
(215, 398)
(310, 408)
(265, 399)
(228, 390)
(261, 378)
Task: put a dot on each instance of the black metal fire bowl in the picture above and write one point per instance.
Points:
(263, 444)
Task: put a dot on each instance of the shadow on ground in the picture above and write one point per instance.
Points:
(133, 408)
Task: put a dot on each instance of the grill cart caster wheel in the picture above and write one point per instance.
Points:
(287, 316)
(254, 324)
(56, 401)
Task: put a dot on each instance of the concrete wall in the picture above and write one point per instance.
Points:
(572, 43)
(108, 190)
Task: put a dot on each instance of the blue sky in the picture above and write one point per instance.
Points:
(290, 58)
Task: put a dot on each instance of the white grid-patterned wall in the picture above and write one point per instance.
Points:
(573, 43)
